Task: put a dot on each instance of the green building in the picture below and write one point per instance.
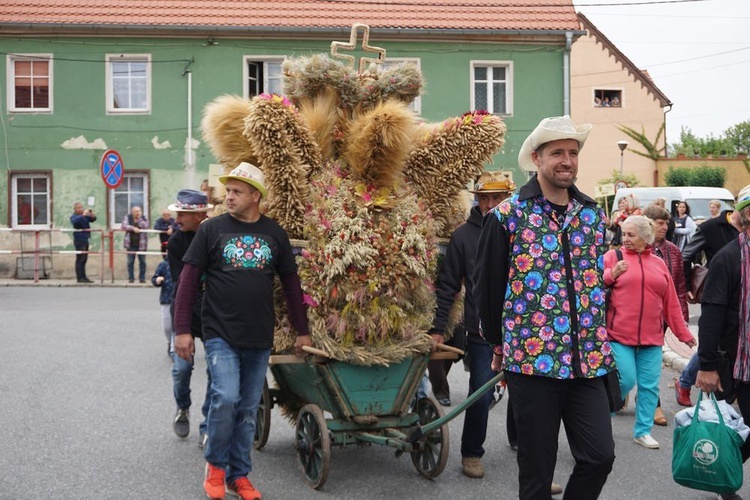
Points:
(134, 77)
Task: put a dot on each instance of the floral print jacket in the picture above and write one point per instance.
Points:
(540, 287)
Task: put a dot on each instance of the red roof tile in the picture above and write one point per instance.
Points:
(558, 15)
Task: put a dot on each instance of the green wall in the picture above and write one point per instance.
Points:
(34, 140)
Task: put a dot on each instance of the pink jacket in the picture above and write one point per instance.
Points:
(639, 300)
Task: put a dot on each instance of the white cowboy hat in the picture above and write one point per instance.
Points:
(248, 173)
(743, 198)
(551, 129)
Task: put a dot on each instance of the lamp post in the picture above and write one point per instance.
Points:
(622, 145)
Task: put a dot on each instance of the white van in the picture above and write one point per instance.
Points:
(697, 198)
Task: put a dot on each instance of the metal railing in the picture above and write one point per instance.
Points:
(106, 252)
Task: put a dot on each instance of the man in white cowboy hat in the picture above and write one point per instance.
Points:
(540, 292)
(191, 208)
(724, 326)
(237, 253)
(456, 270)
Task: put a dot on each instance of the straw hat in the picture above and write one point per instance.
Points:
(493, 182)
(248, 173)
(190, 200)
(743, 198)
(551, 129)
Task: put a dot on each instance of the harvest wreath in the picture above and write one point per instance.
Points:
(355, 173)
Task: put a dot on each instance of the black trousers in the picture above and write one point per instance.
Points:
(539, 405)
(81, 258)
(438, 369)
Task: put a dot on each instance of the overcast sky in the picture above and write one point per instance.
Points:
(697, 53)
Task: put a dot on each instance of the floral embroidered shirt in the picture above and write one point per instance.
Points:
(540, 287)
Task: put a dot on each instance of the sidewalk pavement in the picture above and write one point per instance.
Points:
(59, 283)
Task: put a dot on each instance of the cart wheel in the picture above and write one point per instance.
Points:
(263, 419)
(431, 454)
(313, 445)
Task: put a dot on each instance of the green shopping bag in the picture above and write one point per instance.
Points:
(706, 455)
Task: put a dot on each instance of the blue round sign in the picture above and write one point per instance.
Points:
(112, 168)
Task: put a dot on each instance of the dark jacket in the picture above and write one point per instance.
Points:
(81, 222)
(457, 269)
(177, 247)
(709, 238)
(718, 327)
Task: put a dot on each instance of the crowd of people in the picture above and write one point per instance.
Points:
(555, 294)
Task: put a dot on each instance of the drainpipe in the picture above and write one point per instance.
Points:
(666, 151)
(566, 72)
(189, 163)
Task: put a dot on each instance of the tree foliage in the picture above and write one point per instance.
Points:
(653, 151)
(704, 175)
(734, 140)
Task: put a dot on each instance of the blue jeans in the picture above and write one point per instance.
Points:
(690, 372)
(182, 371)
(640, 366)
(141, 266)
(237, 377)
(475, 420)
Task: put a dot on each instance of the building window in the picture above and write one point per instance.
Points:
(29, 82)
(492, 86)
(262, 75)
(604, 98)
(30, 195)
(133, 191)
(416, 105)
(128, 83)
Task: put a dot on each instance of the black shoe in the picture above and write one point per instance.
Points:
(202, 439)
(131, 281)
(141, 281)
(85, 280)
(444, 401)
(181, 423)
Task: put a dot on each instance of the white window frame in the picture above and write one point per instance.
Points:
(508, 65)
(110, 92)
(246, 73)
(390, 62)
(11, 81)
(115, 220)
(14, 199)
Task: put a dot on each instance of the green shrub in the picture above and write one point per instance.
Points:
(677, 177)
(701, 176)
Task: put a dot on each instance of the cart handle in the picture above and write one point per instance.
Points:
(449, 348)
(315, 352)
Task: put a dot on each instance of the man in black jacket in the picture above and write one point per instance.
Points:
(191, 208)
(456, 271)
(725, 320)
(709, 238)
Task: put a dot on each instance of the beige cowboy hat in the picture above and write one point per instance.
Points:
(493, 182)
(551, 129)
(248, 173)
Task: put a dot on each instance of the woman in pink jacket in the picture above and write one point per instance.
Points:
(642, 295)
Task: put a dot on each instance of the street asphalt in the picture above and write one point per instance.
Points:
(86, 407)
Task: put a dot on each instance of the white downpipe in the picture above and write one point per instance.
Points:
(566, 72)
(189, 163)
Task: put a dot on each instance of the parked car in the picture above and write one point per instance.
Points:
(696, 197)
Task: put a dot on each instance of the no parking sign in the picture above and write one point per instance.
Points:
(112, 168)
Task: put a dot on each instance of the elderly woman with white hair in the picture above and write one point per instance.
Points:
(641, 295)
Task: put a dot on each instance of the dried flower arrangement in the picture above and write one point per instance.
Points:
(352, 171)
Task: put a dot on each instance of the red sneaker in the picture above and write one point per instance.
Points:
(243, 489)
(214, 482)
(682, 394)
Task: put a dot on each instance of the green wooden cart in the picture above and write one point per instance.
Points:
(364, 405)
